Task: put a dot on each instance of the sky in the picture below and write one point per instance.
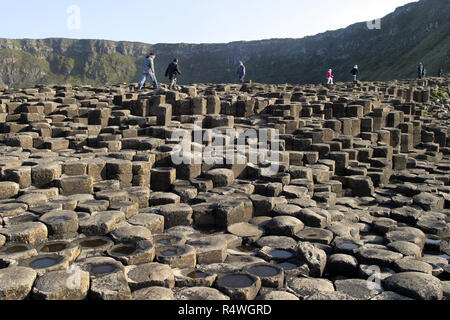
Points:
(175, 21)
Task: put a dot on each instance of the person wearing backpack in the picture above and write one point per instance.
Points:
(172, 72)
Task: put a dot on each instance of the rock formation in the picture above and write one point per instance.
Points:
(95, 204)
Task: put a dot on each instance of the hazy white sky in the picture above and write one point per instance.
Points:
(193, 21)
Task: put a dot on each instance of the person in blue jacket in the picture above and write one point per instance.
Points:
(148, 70)
(241, 72)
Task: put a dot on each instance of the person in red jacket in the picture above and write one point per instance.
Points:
(330, 76)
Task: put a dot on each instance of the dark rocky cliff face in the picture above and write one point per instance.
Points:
(417, 31)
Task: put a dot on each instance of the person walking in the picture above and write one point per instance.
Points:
(148, 70)
(440, 73)
(172, 71)
(330, 77)
(241, 72)
(355, 73)
(421, 70)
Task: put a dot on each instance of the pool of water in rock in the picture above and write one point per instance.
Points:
(95, 243)
(16, 249)
(348, 245)
(281, 254)
(197, 275)
(103, 268)
(264, 271)
(54, 247)
(371, 252)
(236, 281)
(44, 263)
(123, 251)
(59, 220)
(168, 253)
(288, 265)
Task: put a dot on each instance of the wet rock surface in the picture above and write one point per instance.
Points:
(94, 203)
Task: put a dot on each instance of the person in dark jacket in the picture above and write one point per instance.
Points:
(172, 71)
(440, 73)
(355, 73)
(241, 72)
(148, 70)
(421, 70)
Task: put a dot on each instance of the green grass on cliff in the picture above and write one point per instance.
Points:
(110, 68)
(22, 67)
